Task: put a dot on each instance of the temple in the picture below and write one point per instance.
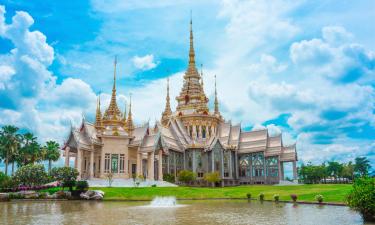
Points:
(192, 137)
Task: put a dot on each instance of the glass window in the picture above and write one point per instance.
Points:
(258, 164)
(122, 163)
(114, 163)
(245, 165)
(106, 161)
(272, 167)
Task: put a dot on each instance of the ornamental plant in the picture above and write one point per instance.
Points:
(66, 175)
(248, 195)
(212, 178)
(276, 197)
(82, 185)
(362, 198)
(319, 198)
(186, 176)
(31, 175)
(261, 196)
(293, 197)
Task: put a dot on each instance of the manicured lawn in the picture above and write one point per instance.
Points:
(331, 192)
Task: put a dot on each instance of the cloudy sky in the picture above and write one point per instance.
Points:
(305, 68)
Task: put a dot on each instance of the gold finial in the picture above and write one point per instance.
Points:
(124, 116)
(191, 51)
(114, 73)
(129, 122)
(216, 101)
(98, 117)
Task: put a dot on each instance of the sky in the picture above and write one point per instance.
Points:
(303, 68)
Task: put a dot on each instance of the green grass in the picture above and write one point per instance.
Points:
(331, 192)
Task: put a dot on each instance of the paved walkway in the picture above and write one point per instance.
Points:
(120, 182)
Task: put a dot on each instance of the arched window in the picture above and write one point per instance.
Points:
(191, 131)
(197, 131)
(258, 164)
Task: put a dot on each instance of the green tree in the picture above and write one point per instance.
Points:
(66, 175)
(9, 144)
(31, 175)
(348, 170)
(212, 178)
(186, 176)
(51, 153)
(334, 169)
(362, 198)
(362, 166)
(30, 151)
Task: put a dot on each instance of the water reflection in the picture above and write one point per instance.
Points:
(196, 212)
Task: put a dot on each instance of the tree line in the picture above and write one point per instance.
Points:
(23, 149)
(312, 174)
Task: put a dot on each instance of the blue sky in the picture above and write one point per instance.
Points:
(305, 68)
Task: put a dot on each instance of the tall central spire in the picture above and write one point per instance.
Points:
(113, 112)
(167, 111)
(113, 98)
(191, 50)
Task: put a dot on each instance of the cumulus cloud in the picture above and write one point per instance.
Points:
(144, 62)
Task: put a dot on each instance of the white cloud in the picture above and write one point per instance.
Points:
(6, 73)
(144, 62)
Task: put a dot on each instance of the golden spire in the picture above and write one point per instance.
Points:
(113, 112)
(167, 111)
(216, 101)
(124, 116)
(129, 122)
(191, 50)
(98, 117)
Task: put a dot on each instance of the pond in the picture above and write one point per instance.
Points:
(187, 212)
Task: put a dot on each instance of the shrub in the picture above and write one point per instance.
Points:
(31, 175)
(362, 198)
(276, 197)
(186, 176)
(169, 177)
(154, 185)
(6, 182)
(109, 179)
(212, 177)
(82, 185)
(66, 175)
(248, 195)
(319, 198)
(261, 196)
(293, 197)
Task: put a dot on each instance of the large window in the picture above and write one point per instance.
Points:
(122, 163)
(179, 161)
(189, 158)
(226, 160)
(258, 164)
(199, 163)
(106, 163)
(203, 131)
(272, 167)
(244, 166)
(171, 162)
(114, 163)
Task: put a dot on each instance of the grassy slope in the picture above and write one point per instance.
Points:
(331, 192)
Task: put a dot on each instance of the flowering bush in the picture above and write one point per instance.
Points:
(294, 197)
(261, 196)
(31, 175)
(319, 198)
(362, 198)
(276, 197)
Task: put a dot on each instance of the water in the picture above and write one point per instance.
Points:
(194, 212)
(163, 202)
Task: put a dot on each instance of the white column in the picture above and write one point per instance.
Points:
(294, 170)
(282, 170)
(91, 164)
(79, 162)
(139, 164)
(67, 150)
(160, 166)
(150, 162)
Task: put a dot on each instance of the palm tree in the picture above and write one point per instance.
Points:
(30, 151)
(362, 166)
(51, 153)
(9, 141)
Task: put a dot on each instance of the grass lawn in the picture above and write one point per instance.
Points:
(331, 192)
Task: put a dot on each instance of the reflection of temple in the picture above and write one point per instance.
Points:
(192, 138)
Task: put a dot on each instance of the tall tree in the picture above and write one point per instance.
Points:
(30, 151)
(51, 153)
(362, 166)
(334, 169)
(9, 142)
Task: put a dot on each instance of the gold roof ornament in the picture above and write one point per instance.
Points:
(113, 112)
(216, 111)
(124, 116)
(192, 96)
(129, 122)
(98, 117)
(167, 111)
